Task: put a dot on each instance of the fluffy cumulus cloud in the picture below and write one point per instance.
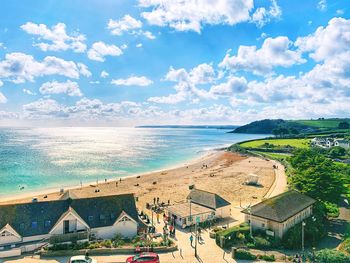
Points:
(99, 50)
(29, 92)
(234, 85)
(3, 99)
(192, 15)
(19, 67)
(128, 24)
(70, 88)
(104, 74)
(186, 84)
(262, 15)
(327, 41)
(273, 53)
(184, 15)
(55, 38)
(133, 81)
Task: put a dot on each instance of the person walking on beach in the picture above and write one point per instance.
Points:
(191, 240)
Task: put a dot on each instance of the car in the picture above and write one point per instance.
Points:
(81, 259)
(146, 257)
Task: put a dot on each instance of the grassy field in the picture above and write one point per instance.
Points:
(328, 123)
(297, 143)
(274, 156)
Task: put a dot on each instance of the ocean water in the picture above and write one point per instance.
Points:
(41, 158)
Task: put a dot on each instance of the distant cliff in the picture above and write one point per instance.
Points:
(260, 127)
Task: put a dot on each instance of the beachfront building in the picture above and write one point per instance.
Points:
(200, 206)
(25, 227)
(278, 214)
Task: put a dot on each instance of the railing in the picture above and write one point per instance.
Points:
(69, 237)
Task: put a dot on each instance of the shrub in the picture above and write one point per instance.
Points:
(332, 209)
(232, 234)
(267, 257)
(261, 242)
(331, 256)
(244, 254)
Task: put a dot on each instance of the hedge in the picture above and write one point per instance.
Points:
(244, 254)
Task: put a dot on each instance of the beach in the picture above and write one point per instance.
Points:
(222, 172)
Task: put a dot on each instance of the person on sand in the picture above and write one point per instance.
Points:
(191, 240)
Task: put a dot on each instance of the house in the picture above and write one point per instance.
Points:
(342, 143)
(278, 214)
(200, 206)
(26, 226)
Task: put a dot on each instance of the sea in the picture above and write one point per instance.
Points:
(33, 159)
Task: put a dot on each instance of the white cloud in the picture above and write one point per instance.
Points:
(124, 46)
(99, 50)
(19, 67)
(104, 74)
(83, 69)
(94, 82)
(132, 81)
(327, 41)
(273, 53)
(262, 16)
(29, 92)
(127, 23)
(6, 115)
(185, 15)
(322, 5)
(56, 38)
(139, 45)
(70, 88)
(1, 83)
(3, 99)
(234, 85)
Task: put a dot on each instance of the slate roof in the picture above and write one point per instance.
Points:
(207, 199)
(21, 216)
(281, 207)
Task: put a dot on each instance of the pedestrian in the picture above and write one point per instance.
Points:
(157, 200)
(174, 231)
(154, 200)
(191, 240)
(158, 218)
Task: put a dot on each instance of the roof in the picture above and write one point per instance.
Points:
(183, 209)
(20, 216)
(207, 199)
(281, 207)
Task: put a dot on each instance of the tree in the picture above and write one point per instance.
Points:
(293, 131)
(337, 151)
(343, 125)
(331, 256)
(317, 176)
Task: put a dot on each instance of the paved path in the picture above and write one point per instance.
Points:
(280, 184)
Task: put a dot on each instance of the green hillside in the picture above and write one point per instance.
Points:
(322, 123)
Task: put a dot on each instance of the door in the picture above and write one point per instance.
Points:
(65, 226)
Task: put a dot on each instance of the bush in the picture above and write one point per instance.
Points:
(233, 234)
(332, 209)
(267, 257)
(244, 254)
(261, 242)
(331, 256)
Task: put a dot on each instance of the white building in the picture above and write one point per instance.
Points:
(25, 227)
(199, 207)
(342, 143)
(278, 214)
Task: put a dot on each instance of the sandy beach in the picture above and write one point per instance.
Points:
(221, 172)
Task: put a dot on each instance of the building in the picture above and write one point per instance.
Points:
(278, 214)
(342, 143)
(200, 206)
(25, 227)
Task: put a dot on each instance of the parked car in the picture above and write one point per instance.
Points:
(146, 257)
(82, 259)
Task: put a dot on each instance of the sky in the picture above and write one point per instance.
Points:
(144, 62)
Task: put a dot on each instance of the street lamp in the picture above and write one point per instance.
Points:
(303, 224)
(190, 199)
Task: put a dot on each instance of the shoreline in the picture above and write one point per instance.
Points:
(52, 190)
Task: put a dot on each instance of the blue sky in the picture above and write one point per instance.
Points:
(172, 61)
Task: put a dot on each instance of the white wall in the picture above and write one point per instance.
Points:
(126, 229)
(223, 212)
(10, 253)
(60, 227)
(9, 239)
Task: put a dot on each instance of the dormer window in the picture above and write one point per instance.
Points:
(91, 218)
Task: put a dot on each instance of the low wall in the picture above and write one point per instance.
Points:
(10, 253)
(104, 251)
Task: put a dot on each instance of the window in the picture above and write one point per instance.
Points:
(90, 218)
(34, 224)
(47, 223)
(102, 217)
(124, 219)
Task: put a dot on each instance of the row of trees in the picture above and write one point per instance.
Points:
(284, 131)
